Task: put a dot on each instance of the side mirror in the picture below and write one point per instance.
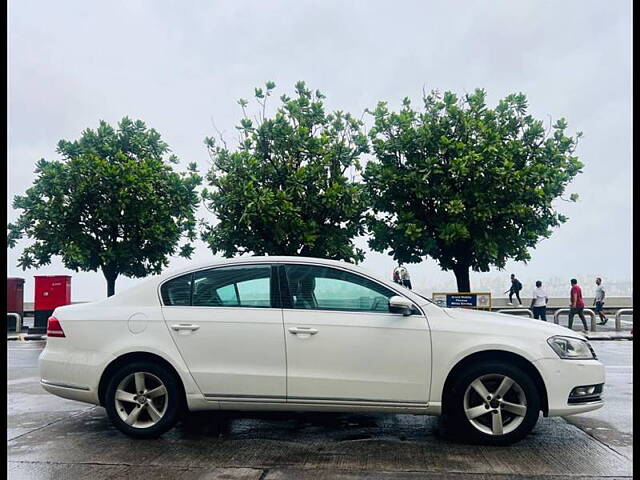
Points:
(398, 304)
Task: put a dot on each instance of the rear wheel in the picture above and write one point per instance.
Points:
(493, 403)
(143, 399)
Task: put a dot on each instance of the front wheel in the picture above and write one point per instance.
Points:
(494, 403)
(143, 400)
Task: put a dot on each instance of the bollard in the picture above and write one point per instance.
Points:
(512, 311)
(18, 321)
(586, 311)
(619, 313)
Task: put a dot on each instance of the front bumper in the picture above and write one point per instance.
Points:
(562, 376)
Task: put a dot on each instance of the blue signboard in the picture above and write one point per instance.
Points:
(463, 299)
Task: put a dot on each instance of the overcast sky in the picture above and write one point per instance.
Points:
(181, 65)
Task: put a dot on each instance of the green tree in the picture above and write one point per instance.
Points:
(112, 203)
(284, 190)
(465, 184)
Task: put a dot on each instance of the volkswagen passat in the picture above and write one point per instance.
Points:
(292, 333)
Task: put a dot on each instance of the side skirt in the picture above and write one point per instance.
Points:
(280, 403)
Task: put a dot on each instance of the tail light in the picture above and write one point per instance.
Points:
(54, 329)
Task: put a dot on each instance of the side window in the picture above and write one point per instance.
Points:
(177, 292)
(325, 288)
(228, 295)
(242, 286)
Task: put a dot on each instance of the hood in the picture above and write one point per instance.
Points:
(518, 324)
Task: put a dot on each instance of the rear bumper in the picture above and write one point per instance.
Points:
(562, 376)
(72, 374)
(72, 392)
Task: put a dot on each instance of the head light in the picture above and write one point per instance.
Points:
(571, 348)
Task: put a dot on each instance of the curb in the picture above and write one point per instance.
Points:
(610, 337)
(24, 337)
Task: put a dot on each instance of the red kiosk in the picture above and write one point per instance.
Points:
(51, 291)
(15, 298)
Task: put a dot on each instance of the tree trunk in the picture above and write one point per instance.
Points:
(462, 277)
(111, 286)
(110, 274)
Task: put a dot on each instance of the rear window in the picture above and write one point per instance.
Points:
(242, 286)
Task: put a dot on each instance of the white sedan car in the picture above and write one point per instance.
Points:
(293, 333)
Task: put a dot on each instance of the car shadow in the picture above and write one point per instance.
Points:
(304, 425)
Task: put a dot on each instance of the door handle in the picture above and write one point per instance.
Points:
(184, 326)
(303, 331)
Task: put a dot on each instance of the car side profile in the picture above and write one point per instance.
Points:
(309, 334)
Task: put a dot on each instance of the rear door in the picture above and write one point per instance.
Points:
(343, 344)
(227, 324)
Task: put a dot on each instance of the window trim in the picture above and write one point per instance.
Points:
(277, 265)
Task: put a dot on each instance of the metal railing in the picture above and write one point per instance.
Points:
(619, 313)
(586, 311)
(18, 321)
(511, 311)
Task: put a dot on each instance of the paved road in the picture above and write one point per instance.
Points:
(49, 437)
(613, 423)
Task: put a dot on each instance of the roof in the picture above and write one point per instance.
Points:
(258, 259)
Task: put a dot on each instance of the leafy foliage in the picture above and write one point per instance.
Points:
(112, 203)
(284, 190)
(465, 184)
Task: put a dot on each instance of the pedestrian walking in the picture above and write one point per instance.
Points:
(539, 301)
(577, 304)
(401, 276)
(396, 276)
(598, 301)
(515, 288)
(404, 276)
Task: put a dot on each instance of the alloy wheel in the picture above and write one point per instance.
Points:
(495, 404)
(141, 400)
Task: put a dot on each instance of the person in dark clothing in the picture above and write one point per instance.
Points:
(516, 286)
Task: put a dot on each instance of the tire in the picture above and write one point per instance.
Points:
(491, 420)
(148, 415)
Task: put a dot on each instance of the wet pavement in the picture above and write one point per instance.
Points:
(49, 437)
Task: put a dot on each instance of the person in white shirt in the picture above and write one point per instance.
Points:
(539, 301)
(598, 301)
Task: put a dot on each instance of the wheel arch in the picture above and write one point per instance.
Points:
(133, 357)
(501, 355)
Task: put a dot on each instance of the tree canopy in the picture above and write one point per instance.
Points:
(465, 184)
(285, 189)
(113, 202)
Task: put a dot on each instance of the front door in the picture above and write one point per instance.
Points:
(343, 344)
(228, 327)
